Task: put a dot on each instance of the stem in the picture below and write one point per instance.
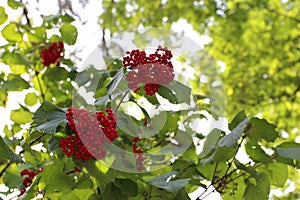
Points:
(121, 101)
(5, 168)
(40, 85)
(208, 194)
(199, 197)
(255, 167)
(33, 141)
(212, 182)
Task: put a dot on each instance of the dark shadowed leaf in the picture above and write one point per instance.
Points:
(7, 154)
(48, 117)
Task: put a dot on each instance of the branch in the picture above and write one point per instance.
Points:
(212, 182)
(5, 168)
(25, 13)
(33, 141)
(255, 167)
(122, 100)
(40, 85)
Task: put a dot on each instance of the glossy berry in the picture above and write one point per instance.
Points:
(52, 54)
(90, 133)
(150, 71)
(40, 170)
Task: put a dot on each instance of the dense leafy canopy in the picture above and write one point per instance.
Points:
(258, 41)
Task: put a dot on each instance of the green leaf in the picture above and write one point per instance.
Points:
(108, 98)
(182, 195)
(210, 142)
(237, 119)
(54, 180)
(168, 94)
(115, 81)
(126, 124)
(224, 153)
(278, 173)
(37, 35)
(127, 186)
(21, 116)
(182, 92)
(163, 177)
(3, 15)
(112, 192)
(100, 171)
(148, 119)
(289, 150)
(258, 190)
(234, 190)
(67, 18)
(207, 169)
(31, 99)
(11, 33)
(7, 154)
(68, 33)
(3, 98)
(83, 182)
(14, 4)
(77, 194)
(261, 129)
(53, 144)
(48, 117)
(231, 139)
(15, 83)
(170, 186)
(12, 178)
(255, 152)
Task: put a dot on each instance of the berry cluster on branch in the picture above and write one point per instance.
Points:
(29, 175)
(52, 54)
(89, 133)
(148, 71)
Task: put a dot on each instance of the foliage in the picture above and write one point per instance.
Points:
(50, 90)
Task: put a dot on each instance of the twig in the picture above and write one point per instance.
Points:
(255, 167)
(33, 141)
(40, 85)
(207, 194)
(5, 168)
(121, 100)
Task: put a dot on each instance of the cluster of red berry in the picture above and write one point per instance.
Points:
(90, 133)
(28, 180)
(52, 54)
(139, 156)
(150, 71)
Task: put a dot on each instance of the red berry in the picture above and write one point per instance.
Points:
(40, 170)
(22, 191)
(31, 174)
(24, 172)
